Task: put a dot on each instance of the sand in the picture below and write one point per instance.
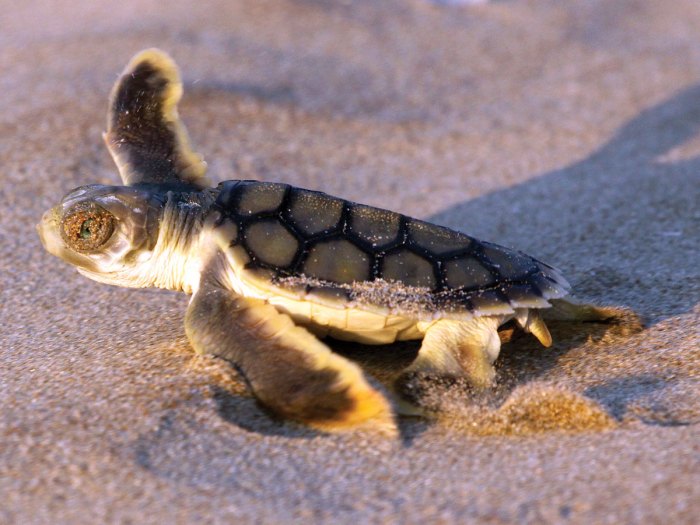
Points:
(568, 130)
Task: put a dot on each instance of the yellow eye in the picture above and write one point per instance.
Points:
(86, 229)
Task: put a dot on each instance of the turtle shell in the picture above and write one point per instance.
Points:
(332, 250)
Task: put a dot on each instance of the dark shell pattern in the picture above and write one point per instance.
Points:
(337, 250)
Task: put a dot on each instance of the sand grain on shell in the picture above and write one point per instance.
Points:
(566, 130)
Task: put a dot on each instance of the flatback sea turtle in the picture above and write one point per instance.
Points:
(271, 268)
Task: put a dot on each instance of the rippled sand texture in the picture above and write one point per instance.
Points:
(568, 130)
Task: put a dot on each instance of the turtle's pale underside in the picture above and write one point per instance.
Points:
(271, 268)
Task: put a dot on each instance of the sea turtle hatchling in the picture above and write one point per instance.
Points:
(271, 267)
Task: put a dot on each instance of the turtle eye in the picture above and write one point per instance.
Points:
(86, 229)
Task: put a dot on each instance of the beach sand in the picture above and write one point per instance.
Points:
(569, 130)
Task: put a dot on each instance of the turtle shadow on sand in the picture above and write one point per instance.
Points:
(625, 220)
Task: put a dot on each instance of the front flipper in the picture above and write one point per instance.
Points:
(289, 370)
(144, 134)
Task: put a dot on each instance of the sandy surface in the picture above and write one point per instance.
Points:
(572, 133)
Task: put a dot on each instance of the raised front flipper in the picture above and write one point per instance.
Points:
(289, 370)
(144, 134)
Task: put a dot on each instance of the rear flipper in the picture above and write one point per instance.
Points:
(452, 349)
(465, 349)
(469, 348)
(569, 309)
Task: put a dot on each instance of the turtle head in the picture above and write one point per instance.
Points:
(132, 235)
(107, 232)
